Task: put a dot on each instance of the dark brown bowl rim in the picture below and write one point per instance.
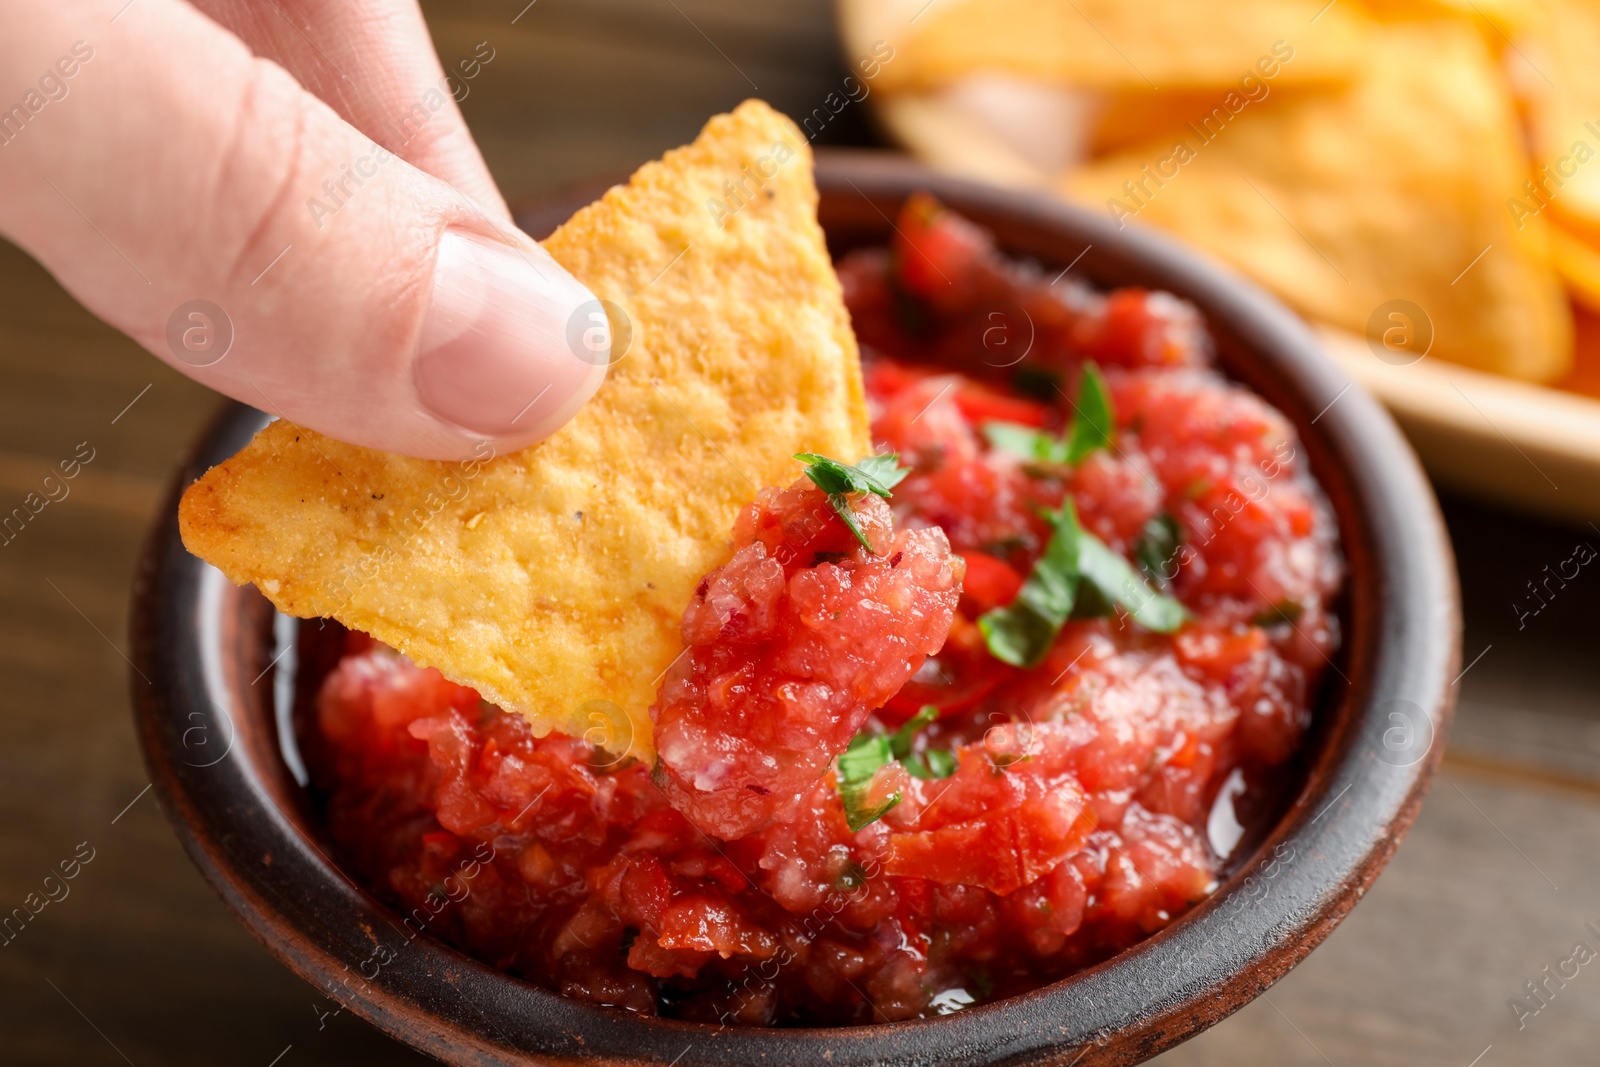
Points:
(201, 643)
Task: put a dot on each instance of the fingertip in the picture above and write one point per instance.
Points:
(511, 346)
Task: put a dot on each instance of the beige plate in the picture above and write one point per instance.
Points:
(1528, 446)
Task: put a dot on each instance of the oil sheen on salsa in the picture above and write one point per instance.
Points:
(1048, 816)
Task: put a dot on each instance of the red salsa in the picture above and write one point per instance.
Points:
(932, 741)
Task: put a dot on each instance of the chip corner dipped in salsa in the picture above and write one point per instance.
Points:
(950, 720)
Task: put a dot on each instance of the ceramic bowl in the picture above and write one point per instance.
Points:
(224, 669)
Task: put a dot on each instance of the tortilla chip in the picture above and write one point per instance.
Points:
(553, 579)
(1497, 19)
(1555, 68)
(1108, 44)
(1584, 377)
(1578, 263)
(1127, 120)
(1343, 200)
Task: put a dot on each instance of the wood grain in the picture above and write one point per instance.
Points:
(142, 964)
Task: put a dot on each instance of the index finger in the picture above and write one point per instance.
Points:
(374, 63)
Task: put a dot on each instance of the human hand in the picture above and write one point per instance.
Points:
(204, 177)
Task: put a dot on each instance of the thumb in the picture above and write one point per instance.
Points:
(238, 228)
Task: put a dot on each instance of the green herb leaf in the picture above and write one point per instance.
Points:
(860, 818)
(1117, 581)
(841, 505)
(876, 474)
(858, 764)
(934, 763)
(1076, 577)
(1157, 549)
(900, 741)
(827, 475)
(855, 769)
(1024, 442)
(1285, 611)
(882, 472)
(1021, 632)
(1093, 425)
(1092, 420)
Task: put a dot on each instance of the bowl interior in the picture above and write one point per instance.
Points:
(226, 673)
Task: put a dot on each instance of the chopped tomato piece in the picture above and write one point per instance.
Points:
(937, 251)
(958, 677)
(990, 583)
(1218, 650)
(1140, 328)
(1041, 823)
(886, 377)
(981, 405)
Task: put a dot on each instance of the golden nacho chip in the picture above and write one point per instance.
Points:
(1127, 120)
(553, 579)
(1496, 18)
(1344, 200)
(1584, 377)
(1578, 263)
(1555, 68)
(1108, 44)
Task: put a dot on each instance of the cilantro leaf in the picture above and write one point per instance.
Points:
(827, 475)
(882, 472)
(1021, 632)
(876, 474)
(1093, 425)
(934, 763)
(868, 752)
(1025, 442)
(900, 740)
(1115, 579)
(1284, 611)
(855, 769)
(841, 506)
(1157, 549)
(1078, 576)
(1092, 420)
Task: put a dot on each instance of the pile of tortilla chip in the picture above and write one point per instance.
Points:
(1344, 154)
(553, 579)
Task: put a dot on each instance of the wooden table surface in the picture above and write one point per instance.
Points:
(141, 964)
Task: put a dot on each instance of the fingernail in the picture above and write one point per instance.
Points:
(494, 356)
